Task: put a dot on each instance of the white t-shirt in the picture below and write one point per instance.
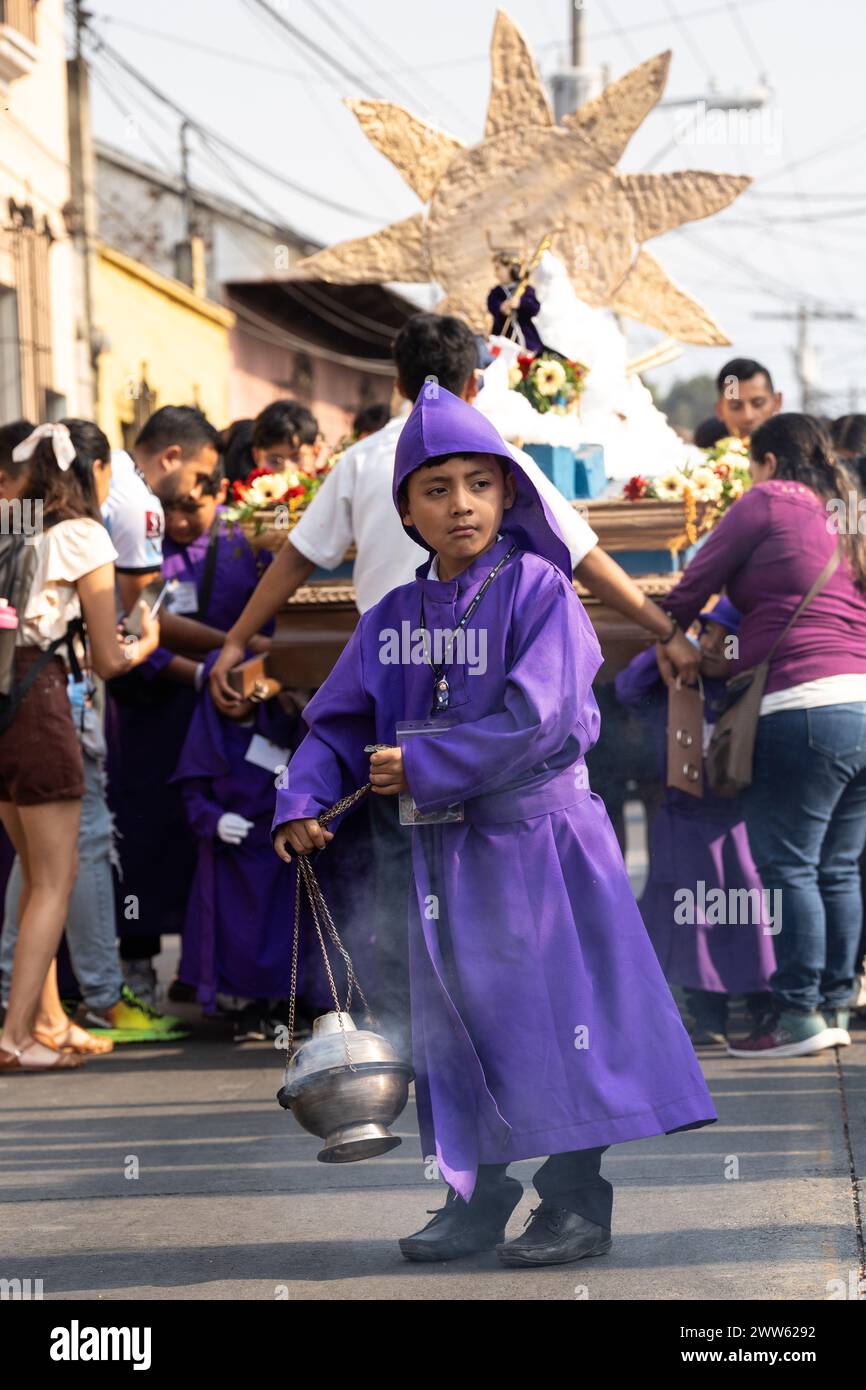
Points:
(826, 690)
(134, 517)
(354, 504)
(65, 553)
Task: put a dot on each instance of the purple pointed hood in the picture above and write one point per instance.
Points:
(442, 423)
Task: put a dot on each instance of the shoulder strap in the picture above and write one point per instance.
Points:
(823, 578)
(75, 628)
(207, 579)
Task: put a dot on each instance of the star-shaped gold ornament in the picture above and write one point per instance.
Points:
(528, 178)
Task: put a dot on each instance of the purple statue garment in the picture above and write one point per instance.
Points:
(237, 936)
(146, 723)
(692, 843)
(526, 312)
(541, 1019)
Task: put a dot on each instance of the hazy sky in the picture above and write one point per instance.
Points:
(795, 236)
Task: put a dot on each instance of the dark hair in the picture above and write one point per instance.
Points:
(71, 493)
(185, 425)
(804, 454)
(435, 345)
(371, 418)
(709, 432)
(284, 422)
(741, 369)
(10, 436)
(849, 433)
(235, 441)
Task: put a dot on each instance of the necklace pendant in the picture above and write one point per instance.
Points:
(442, 695)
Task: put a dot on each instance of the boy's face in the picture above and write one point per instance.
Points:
(744, 405)
(187, 519)
(287, 454)
(457, 505)
(712, 645)
(502, 270)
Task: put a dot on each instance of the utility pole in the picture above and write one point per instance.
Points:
(189, 259)
(81, 219)
(805, 360)
(578, 83)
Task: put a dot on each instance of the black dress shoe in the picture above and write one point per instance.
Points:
(464, 1228)
(555, 1236)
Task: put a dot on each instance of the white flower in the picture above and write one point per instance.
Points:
(670, 487)
(734, 445)
(264, 491)
(515, 377)
(549, 378)
(705, 485)
(736, 487)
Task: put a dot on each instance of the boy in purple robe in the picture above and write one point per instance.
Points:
(237, 935)
(542, 1024)
(516, 319)
(701, 866)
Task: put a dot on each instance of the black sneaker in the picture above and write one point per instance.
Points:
(251, 1024)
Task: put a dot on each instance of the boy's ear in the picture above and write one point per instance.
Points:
(510, 491)
(222, 490)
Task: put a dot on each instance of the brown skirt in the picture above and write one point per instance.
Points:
(40, 756)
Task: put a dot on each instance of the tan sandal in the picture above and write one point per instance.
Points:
(64, 1061)
(94, 1047)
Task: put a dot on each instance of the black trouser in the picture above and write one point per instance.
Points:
(570, 1180)
(709, 1008)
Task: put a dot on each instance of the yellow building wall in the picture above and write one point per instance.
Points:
(157, 329)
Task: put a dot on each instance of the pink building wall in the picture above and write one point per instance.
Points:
(262, 372)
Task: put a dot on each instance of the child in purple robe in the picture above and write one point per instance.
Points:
(701, 866)
(542, 1024)
(237, 935)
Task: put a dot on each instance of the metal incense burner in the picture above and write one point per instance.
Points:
(346, 1085)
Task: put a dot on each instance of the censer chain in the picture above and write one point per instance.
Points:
(321, 914)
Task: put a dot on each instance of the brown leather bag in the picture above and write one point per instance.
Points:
(685, 736)
(731, 753)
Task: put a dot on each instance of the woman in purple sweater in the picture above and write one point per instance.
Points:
(806, 808)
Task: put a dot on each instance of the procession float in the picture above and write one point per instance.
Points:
(539, 244)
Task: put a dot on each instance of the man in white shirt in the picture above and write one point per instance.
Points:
(354, 506)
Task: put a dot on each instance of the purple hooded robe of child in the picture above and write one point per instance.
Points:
(237, 935)
(541, 1020)
(694, 841)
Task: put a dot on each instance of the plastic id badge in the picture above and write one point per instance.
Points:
(409, 813)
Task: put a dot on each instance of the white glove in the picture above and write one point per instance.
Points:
(232, 829)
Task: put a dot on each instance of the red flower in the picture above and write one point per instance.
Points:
(524, 362)
(238, 491)
(635, 488)
(257, 473)
(297, 491)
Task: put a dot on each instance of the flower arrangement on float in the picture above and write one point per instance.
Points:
(264, 491)
(706, 489)
(548, 382)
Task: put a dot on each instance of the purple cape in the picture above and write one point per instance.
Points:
(541, 1020)
(697, 842)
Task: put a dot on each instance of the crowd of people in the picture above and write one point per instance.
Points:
(138, 778)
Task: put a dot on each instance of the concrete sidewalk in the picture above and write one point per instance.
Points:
(171, 1173)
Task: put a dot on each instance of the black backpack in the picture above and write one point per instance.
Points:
(17, 563)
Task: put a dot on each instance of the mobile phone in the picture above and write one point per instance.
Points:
(152, 594)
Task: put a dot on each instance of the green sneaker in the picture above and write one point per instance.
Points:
(837, 1020)
(792, 1034)
(130, 1020)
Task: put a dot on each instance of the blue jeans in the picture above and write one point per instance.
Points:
(90, 924)
(806, 819)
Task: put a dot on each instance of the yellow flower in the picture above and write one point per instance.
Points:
(736, 487)
(734, 445)
(515, 376)
(549, 378)
(705, 485)
(670, 487)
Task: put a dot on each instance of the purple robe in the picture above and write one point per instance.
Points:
(146, 724)
(541, 1020)
(237, 936)
(526, 312)
(693, 842)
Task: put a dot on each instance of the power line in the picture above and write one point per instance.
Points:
(696, 52)
(310, 44)
(101, 45)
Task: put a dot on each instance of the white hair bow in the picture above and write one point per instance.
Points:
(64, 449)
